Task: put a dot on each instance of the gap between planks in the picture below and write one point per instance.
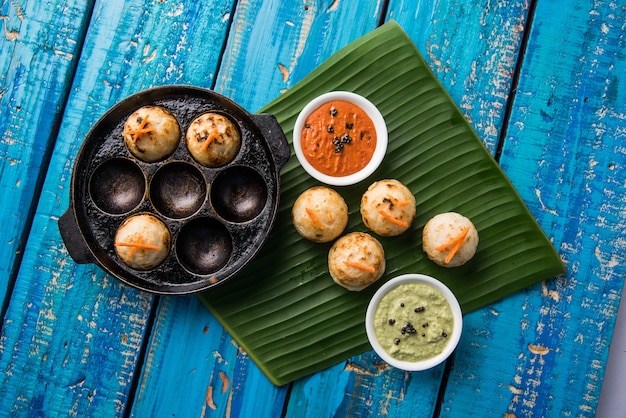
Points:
(530, 17)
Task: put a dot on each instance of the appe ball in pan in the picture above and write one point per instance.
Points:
(213, 139)
(142, 242)
(151, 133)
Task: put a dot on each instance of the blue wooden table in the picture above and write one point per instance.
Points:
(542, 84)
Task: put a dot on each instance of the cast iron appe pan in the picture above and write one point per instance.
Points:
(218, 218)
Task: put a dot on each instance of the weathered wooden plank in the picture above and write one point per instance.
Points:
(366, 386)
(472, 48)
(72, 335)
(189, 349)
(39, 47)
(294, 38)
(564, 153)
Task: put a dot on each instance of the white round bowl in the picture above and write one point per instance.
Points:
(455, 335)
(381, 137)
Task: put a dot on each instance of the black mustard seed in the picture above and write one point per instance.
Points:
(408, 328)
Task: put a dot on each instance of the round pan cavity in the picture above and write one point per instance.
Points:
(178, 190)
(239, 194)
(218, 217)
(117, 186)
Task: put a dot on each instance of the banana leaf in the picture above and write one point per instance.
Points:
(284, 308)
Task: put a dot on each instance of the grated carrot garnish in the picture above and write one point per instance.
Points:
(454, 240)
(136, 246)
(400, 203)
(330, 217)
(360, 266)
(136, 133)
(213, 135)
(455, 243)
(392, 219)
(314, 218)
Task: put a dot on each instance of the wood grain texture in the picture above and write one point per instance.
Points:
(365, 386)
(273, 44)
(39, 47)
(472, 47)
(72, 335)
(189, 347)
(564, 153)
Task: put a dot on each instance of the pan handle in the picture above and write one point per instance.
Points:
(73, 239)
(275, 137)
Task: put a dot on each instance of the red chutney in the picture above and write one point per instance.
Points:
(338, 138)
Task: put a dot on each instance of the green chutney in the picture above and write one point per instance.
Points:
(413, 322)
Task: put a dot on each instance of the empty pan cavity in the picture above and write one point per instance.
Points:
(239, 194)
(178, 190)
(117, 186)
(204, 246)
